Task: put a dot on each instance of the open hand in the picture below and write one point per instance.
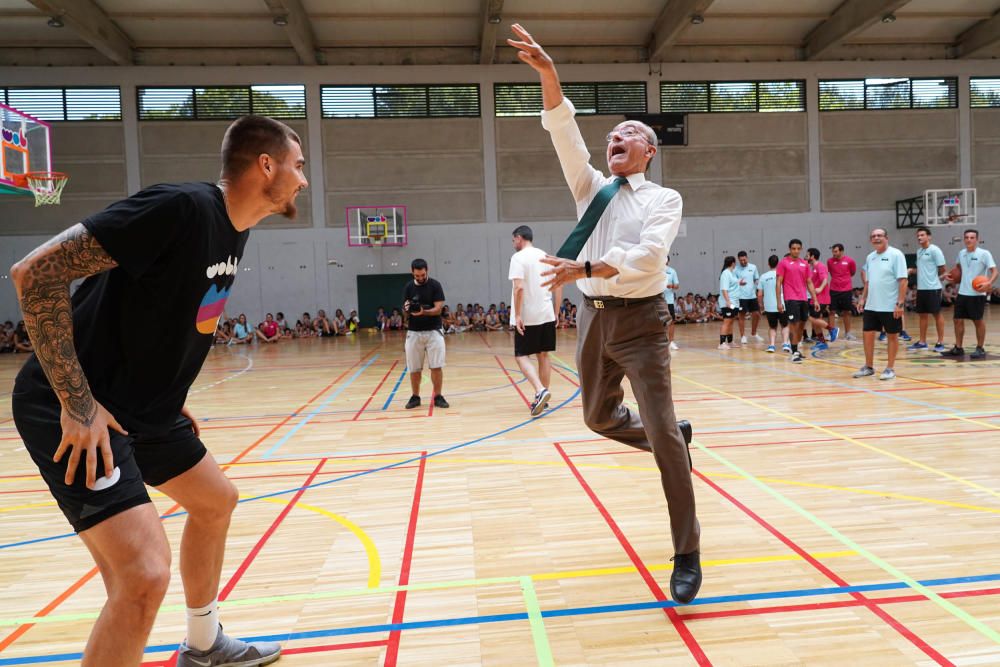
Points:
(563, 271)
(529, 51)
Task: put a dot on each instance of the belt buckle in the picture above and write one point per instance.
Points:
(598, 304)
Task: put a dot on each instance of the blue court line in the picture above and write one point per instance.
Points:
(385, 406)
(548, 613)
(11, 545)
(285, 438)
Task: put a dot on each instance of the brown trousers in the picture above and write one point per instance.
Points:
(631, 340)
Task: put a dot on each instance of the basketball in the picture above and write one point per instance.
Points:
(981, 284)
(953, 276)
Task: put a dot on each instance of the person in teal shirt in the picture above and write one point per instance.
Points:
(882, 301)
(929, 269)
(729, 303)
(748, 276)
(670, 295)
(767, 294)
(972, 262)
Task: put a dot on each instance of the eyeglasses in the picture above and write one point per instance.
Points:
(626, 133)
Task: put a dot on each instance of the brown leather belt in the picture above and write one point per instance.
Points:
(602, 302)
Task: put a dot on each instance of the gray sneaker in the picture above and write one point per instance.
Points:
(540, 403)
(229, 652)
(865, 371)
(887, 374)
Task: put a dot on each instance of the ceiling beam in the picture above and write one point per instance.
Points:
(298, 28)
(488, 31)
(675, 17)
(978, 37)
(92, 25)
(851, 17)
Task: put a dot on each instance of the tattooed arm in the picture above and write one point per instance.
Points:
(42, 281)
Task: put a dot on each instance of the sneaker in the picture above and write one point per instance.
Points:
(229, 652)
(439, 402)
(939, 347)
(864, 371)
(797, 357)
(786, 348)
(673, 345)
(881, 336)
(743, 340)
(541, 401)
(808, 339)
(980, 353)
(820, 345)
(724, 346)
(770, 348)
(758, 338)
(955, 351)
(834, 332)
(414, 402)
(887, 374)
(905, 336)
(850, 336)
(917, 346)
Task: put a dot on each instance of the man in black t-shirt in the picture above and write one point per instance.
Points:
(102, 412)
(423, 299)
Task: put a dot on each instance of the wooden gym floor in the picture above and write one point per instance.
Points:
(844, 521)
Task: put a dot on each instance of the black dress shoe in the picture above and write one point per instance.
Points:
(686, 577)
(685, 427)
(414, 402)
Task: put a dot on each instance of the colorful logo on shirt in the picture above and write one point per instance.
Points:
(211, 309)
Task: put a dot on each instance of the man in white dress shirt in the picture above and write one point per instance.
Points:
(618, 265)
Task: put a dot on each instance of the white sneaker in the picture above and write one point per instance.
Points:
(743, 340)
(724, 346)
(887, 374)
(850, 336)
(673, 345)
(864, 371)
(758, 338)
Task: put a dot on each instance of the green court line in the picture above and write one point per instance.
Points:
(955, 611)
(538, 634)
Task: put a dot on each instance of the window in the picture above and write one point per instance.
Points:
(58, 104)
(404, 101)
(731, 96)
(221, 102)
(595, 98)
(984, 92)
(888, 93)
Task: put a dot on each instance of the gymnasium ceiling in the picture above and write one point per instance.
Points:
(453, 32)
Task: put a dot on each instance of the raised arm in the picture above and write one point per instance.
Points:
(42, 281)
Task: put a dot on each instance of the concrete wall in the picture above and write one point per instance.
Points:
(750, 181)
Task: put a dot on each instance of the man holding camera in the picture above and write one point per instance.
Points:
(422, 302)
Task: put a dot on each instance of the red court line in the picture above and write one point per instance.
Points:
(310, 459)
(938, 386)
(830, 574)
(815, 606)
(676, 619)
(303, 649)
(516, 386)
(568, 378)
(484, 339)
(392, 652)
(324, 473)
(363, 407)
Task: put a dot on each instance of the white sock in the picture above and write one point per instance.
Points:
(203, 626)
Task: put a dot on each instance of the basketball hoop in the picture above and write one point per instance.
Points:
(47, 186)
(375, 240)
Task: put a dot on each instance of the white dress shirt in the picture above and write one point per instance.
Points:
(636, 229)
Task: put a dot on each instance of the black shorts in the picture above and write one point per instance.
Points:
(970, 307)
(537, 338)
(821, 313)
(840, 302)
(729, 313)
(798, 311)
(929, 301)
(875, 320)
(749, 306)
(139, 460)
(670, 307)
(773, 319)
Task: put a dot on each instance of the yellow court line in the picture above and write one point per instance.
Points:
(14, 508)
(975, 421)
(846, 438)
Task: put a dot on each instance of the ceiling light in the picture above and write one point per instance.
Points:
(494, 19)
(280, 21)
(697, 19)
(55, 22)
(889, 18)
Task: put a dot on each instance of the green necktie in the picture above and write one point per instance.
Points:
(578, 237)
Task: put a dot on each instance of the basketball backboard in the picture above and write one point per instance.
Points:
(373, 226)
(24, 147)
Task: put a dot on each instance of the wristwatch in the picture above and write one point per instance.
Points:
(587, 268)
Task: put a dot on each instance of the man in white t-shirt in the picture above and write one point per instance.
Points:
(533, 312)
(669, 293)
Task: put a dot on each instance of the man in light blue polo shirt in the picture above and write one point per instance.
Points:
(749, 276)
(767, 296)
(669, 293)
(930, 267)
(882, 301)
(973, 262)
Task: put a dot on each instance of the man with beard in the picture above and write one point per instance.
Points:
(423, 299)
(102, 412)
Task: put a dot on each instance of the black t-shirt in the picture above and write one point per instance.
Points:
(425, 295)
(143, 329)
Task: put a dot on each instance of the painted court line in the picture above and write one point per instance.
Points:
(538, 635)
(376, 390)
(392, 650)
(395, 388)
